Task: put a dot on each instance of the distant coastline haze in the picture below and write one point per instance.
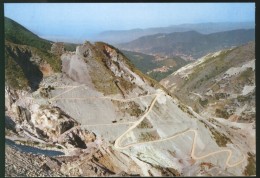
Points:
(75, 22)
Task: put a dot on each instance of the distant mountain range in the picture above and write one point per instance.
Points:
(123, 36)
(189, 45)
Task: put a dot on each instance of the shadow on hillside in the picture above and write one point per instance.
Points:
(10, 124)
(33, 150)
(30, 70)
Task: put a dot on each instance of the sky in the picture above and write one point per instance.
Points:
(69, 21)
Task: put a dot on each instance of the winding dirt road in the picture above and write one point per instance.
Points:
(118, 140)
(117, 144)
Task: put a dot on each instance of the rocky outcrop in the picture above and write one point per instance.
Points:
(52, 122)
(46, 69)
(84, 50)
(10, 97)
(57, 48)
(115, 63)
(76, 138)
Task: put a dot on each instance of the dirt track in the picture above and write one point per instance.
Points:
(135, 124)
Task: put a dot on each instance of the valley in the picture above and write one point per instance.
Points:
(155, 66)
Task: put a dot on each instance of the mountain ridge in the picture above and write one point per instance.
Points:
(189, 44)
(123, 36)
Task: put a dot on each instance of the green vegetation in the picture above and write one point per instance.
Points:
(53, 60)
(185, 109)
(17, 34)
(131, 107)
(246, 75)
(126, 85)
(145, 124)
(204, 123)
(135, 110)
(221, 139)
(14, 75)
(146, 63)
(105, 85)
(147, 136)
(161, 75)
(242, 98)
(250, 169)
(70, 46)
(21, 46)
(207, 70)
(222, 113)
(98, 70)
(203, 102)
(167, 171)
(182, 107)
(143, 62)
(175, 172)
(59, 147)
(21, 71)
(221, 96)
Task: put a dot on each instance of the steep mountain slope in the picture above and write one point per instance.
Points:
(100, 116)
(17, 34)
(123, 36)
(156, 67)
(189, 45)
(29, 58)
(221, 84)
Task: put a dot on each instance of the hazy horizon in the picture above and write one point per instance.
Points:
(78, 21)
